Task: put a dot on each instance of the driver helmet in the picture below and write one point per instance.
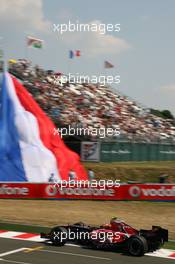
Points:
(115, 220)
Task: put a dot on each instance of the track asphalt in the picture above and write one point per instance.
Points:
(27, 252)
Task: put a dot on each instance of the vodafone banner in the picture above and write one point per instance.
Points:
(145, 192)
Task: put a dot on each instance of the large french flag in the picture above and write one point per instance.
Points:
(29, 149)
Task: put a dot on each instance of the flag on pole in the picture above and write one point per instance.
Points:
(108, 65)
(71, 54)
(76, 53)
(34, 42)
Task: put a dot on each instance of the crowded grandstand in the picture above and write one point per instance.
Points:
(87, 105)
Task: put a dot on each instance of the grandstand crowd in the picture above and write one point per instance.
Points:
(89, 105)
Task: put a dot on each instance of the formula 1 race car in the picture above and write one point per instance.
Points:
(117, 236)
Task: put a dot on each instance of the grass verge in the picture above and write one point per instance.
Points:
(148, 171)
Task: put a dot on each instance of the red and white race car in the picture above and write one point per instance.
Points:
(117, 236)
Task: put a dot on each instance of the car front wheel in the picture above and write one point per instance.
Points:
(58, 236)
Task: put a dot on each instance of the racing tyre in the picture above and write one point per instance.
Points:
(58, 236)
(137, 246)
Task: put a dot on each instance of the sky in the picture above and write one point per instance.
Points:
(143, 52)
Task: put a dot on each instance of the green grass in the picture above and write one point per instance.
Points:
(170, 245)
(23, 228)
(129, 171)
(38, 229)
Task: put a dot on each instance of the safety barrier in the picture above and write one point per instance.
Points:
(132, 192)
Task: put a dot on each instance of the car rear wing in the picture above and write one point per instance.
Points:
(161, 232)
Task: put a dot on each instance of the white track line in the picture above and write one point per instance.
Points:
(12, 252)
(73, 254)
(13, 261)
(72, 245)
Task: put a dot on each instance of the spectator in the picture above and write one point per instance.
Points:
(91, 175)
(89, 105)
(72, 175)
(163, 178)
(52, 178)
(170, 180)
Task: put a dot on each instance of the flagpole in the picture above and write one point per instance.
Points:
(70, 58)
(2, 55)
(107, 65)
(26, 49)
(104, 70)
(68, 65)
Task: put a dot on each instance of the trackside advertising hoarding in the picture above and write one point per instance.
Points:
(139, 192)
